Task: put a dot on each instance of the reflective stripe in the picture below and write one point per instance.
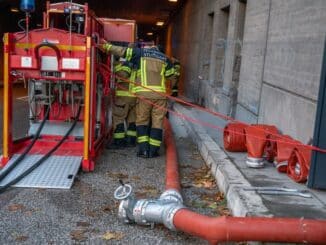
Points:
(149, 88)
(174, 90)
(119, 135)
(163, 76)
(155, 142)
(169, 72)
(131, 133)
(107, 46)
(131, 83)
(145, 73)
(121, 67)
(123, 93)
(129, 54)
(142, 139)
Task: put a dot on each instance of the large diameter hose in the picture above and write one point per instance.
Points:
(234, 137)
(224, 229)
(284, 148)
(299, 164)
(172, 172)
(237, 229)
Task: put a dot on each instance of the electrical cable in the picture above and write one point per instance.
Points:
(23, 29)
(45, 157)
(28, 148)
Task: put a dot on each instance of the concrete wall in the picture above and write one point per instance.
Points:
(271, 61)
(191, 41)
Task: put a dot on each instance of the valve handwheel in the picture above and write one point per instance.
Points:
(123, 191)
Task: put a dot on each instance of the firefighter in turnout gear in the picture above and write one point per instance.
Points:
(124, 108)
(175, 79)
(153, 67)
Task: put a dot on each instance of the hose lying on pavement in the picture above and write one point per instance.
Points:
(224, 229)
(284, 148)
(169, 210)
(234, 137)
(256, 139)
(299, 164)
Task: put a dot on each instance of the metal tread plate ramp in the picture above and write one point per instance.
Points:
(57, 172)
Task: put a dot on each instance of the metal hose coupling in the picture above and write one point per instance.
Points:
(148, 211)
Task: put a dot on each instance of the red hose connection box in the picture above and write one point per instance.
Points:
(234, 137)
(299, 164)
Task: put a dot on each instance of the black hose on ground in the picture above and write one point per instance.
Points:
(28, 148)
(45, 157)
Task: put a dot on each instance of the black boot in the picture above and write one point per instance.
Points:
(131, 135)
(119, 138)
(155, 141)
(131, 141)
(142, 140)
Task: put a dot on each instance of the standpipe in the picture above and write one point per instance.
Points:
(169, 210)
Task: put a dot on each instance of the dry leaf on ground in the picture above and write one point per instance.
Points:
(113, 235)
(150, 190)
(21, 238)
(107, 208)
(83, 224)
(16, 207)
(78, 235)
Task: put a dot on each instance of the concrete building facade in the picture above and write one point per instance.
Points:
(255, 60)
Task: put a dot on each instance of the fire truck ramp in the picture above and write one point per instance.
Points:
(56, 172)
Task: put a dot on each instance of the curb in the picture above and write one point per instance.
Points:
(228, 177)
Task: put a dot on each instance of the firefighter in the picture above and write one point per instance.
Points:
(175, 78)
(124, 108)
(174, 82)
(153, 67)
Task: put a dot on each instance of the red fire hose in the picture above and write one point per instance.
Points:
(172, 172)
(234, 137)
(284, 147)
(255, 141)
(299, 164)
(224, 229)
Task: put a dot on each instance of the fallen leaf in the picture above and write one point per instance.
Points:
(113, 235)
(209, 184)
(21, 238)
(220, 196)
(83, 224)
(150, 190)
(78, 235)
(107, 208)
(16, 207)
(198, 204)
(91, 213)
(224, 211)
(212, 206)
(135, 178)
